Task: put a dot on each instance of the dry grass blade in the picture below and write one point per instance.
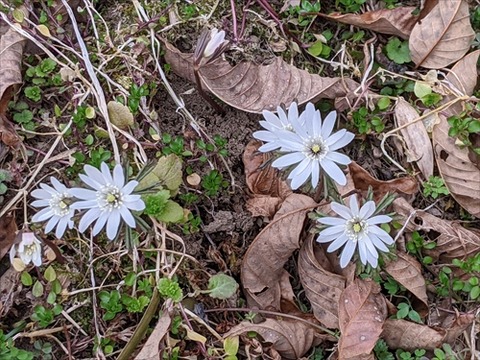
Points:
(407, 271)
(407, 335)
(292, 339)
(453, 240)
(443, 36)
(399, 21)
(254, 88)
(151, 349)
(362, 311)
(262, 267)
(415, 136)
(322, 287)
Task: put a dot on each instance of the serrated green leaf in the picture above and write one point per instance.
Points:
(37, 289)
(222, 286)
(120, 115)
(50, 274)
(230, 345)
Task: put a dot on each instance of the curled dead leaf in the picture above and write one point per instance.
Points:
(407, 335)
(253, 88)
(407, 271)
(453, 240)
(362, 311)
(461, 175)
(292, 339)
(268, 189)
(262, 266)
(443, 36)
(415, 136)
(362, 180)
(151, 349)
(322, 287)
(398, 21)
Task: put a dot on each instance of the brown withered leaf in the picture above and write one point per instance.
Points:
(456, 327)
(416, 137)
(264, 182)
(262, 266)
(407, 335)
(461, 175)
(453, 240)
(253, 88)
(407, 271)
(8, 230)
(322, 286)
(362, 311)
(151, 349)
(443, 36)
(362, 180)
(399, 21)
(292, 339)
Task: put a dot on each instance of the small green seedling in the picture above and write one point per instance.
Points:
(434, 187)
(398, 51)
(170, 289)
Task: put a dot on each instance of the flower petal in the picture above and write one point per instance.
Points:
(292, 112)
(41, 194)
(382, 234)
(274, 145)
(338, 243)
(379, 219)
(100, 224)
(347, 253)
(300, 178)
(91, 182)
(315, 173)
(40, 203)
(362, 250)
(328, 124)
(118, 176)
(138, 205)
(131, 185)
(272, 119)
(331, 221)
(127, 217)
(58, 185)
(61, 227)
(83, 194)
(341, 210)
(333, 171)
(87, 204)
(338, 158)
(379, 244)
(288, 159)
(113, 224)
(354, 205)
(340, 142)
(337, 230)
(305, 163)
(42, 215)
(95, 175)
(51, 223)
(89, 217)
(264, 135)
(367, 210)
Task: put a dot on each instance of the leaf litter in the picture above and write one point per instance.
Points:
(284, 257)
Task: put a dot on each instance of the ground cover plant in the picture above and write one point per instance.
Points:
(239, 179)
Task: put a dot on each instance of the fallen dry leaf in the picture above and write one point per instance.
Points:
(322, 287)
(8, 230)
(407, 271)
(456, 327)
(453, 240)
(363, 180)
(268, 189)
(9, 290)
(253, 88)
(443, 36)
(262, 266)
(292, 339)
(461, 175)
(415, 136)
(398, 21)
(362, 311)
(151, 349)
(407, 335)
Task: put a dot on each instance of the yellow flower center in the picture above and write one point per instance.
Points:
(111, 198)
(316, 148)
(357, 227)
(62, 205)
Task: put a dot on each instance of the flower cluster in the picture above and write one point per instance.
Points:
(109, 201)
(29, 250)
(305, 140)
(356, 227)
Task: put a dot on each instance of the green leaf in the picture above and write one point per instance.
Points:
(37, 289)
(474, 126)
(26, 279)
(402, 310)
(222, 286)
(50, 274)
(230, 345)
(130, 278)
(421, 89)
(316, 48)
(172, 213)
(56, 286)
(414, 316)
(155, 204)
(383, 103)
(398, 51)
(23, 117)
(51, 298)
(170, 289)
(475, 292)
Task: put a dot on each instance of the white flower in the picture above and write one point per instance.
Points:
(313, 146)
(29, 249)
(356, 226)
(56, 202)
(274, 123)
(217, 38)
(109, 202)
